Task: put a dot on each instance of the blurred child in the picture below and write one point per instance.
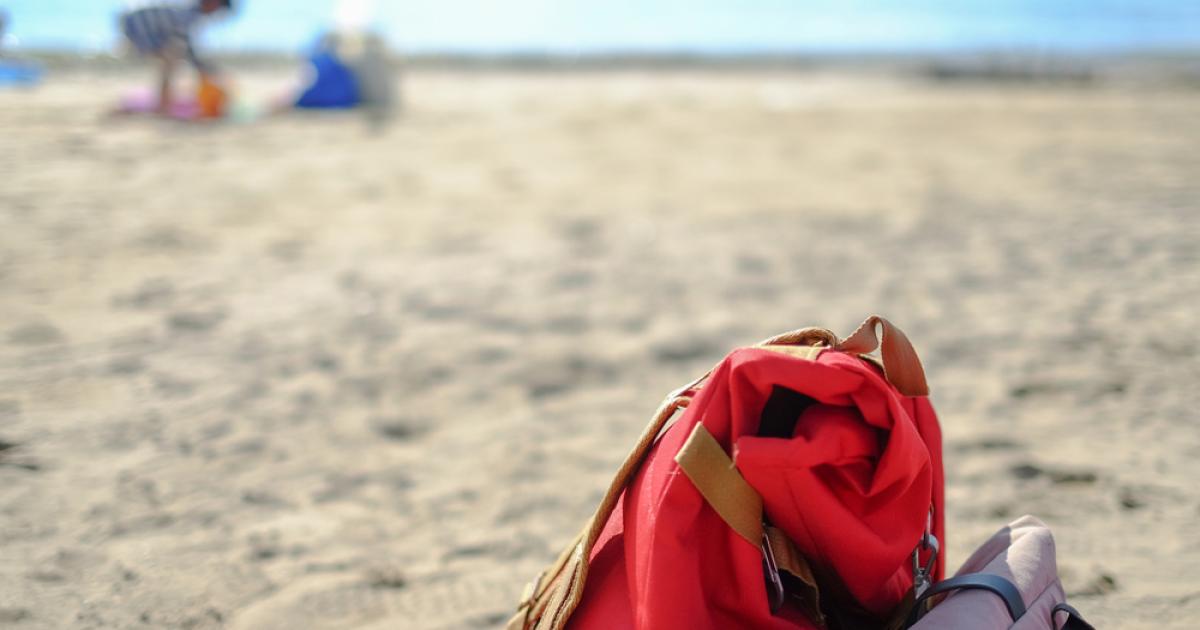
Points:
(163, 30)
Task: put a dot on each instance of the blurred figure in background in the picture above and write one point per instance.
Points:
(360, 45)
(164, 31)
(350, 67)
(332, 83)
(350, 70)
(376, 78)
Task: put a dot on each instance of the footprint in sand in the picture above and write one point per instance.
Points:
(288, 250)
(1058, 476)
(573, 279)
(988, 444)
(399, 429)
(11, 457)
(152, 293)
(195, 321)
(168, 239)
(34, 334)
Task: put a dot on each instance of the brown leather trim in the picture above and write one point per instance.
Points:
(788, 558)
(901, 365)
(712, 472)
(808, 353)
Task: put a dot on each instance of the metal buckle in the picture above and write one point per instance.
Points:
(775, 592)
(923, 575)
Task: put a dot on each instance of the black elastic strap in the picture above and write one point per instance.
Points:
(1074, 619)
(1001, 587)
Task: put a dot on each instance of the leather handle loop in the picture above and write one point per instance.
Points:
(901, 365)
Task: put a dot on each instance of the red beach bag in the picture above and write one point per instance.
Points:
(801, 488)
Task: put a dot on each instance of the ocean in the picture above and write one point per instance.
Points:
(657, 26)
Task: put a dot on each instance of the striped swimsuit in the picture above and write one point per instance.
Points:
(152, 29)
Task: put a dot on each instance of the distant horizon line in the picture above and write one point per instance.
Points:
(685, 52)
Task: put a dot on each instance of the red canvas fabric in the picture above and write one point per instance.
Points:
(852, 488)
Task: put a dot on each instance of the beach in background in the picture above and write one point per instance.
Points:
(654, 26)
(297, 372)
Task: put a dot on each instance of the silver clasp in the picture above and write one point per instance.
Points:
(923, 575)
(775, 592)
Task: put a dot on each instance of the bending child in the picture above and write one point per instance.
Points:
(164, 31)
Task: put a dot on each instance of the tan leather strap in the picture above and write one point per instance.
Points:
(810, 336)
(555, 593)
(901, 365)
(632, 462)
(808, 353)
(789, 559)
(738, 504)
(712, 472)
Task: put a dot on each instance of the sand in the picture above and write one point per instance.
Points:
(294, 374)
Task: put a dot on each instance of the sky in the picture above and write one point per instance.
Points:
(647, 26)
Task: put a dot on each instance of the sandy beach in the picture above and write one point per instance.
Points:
(293, 373)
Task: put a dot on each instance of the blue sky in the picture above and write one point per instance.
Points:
(578, 26)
